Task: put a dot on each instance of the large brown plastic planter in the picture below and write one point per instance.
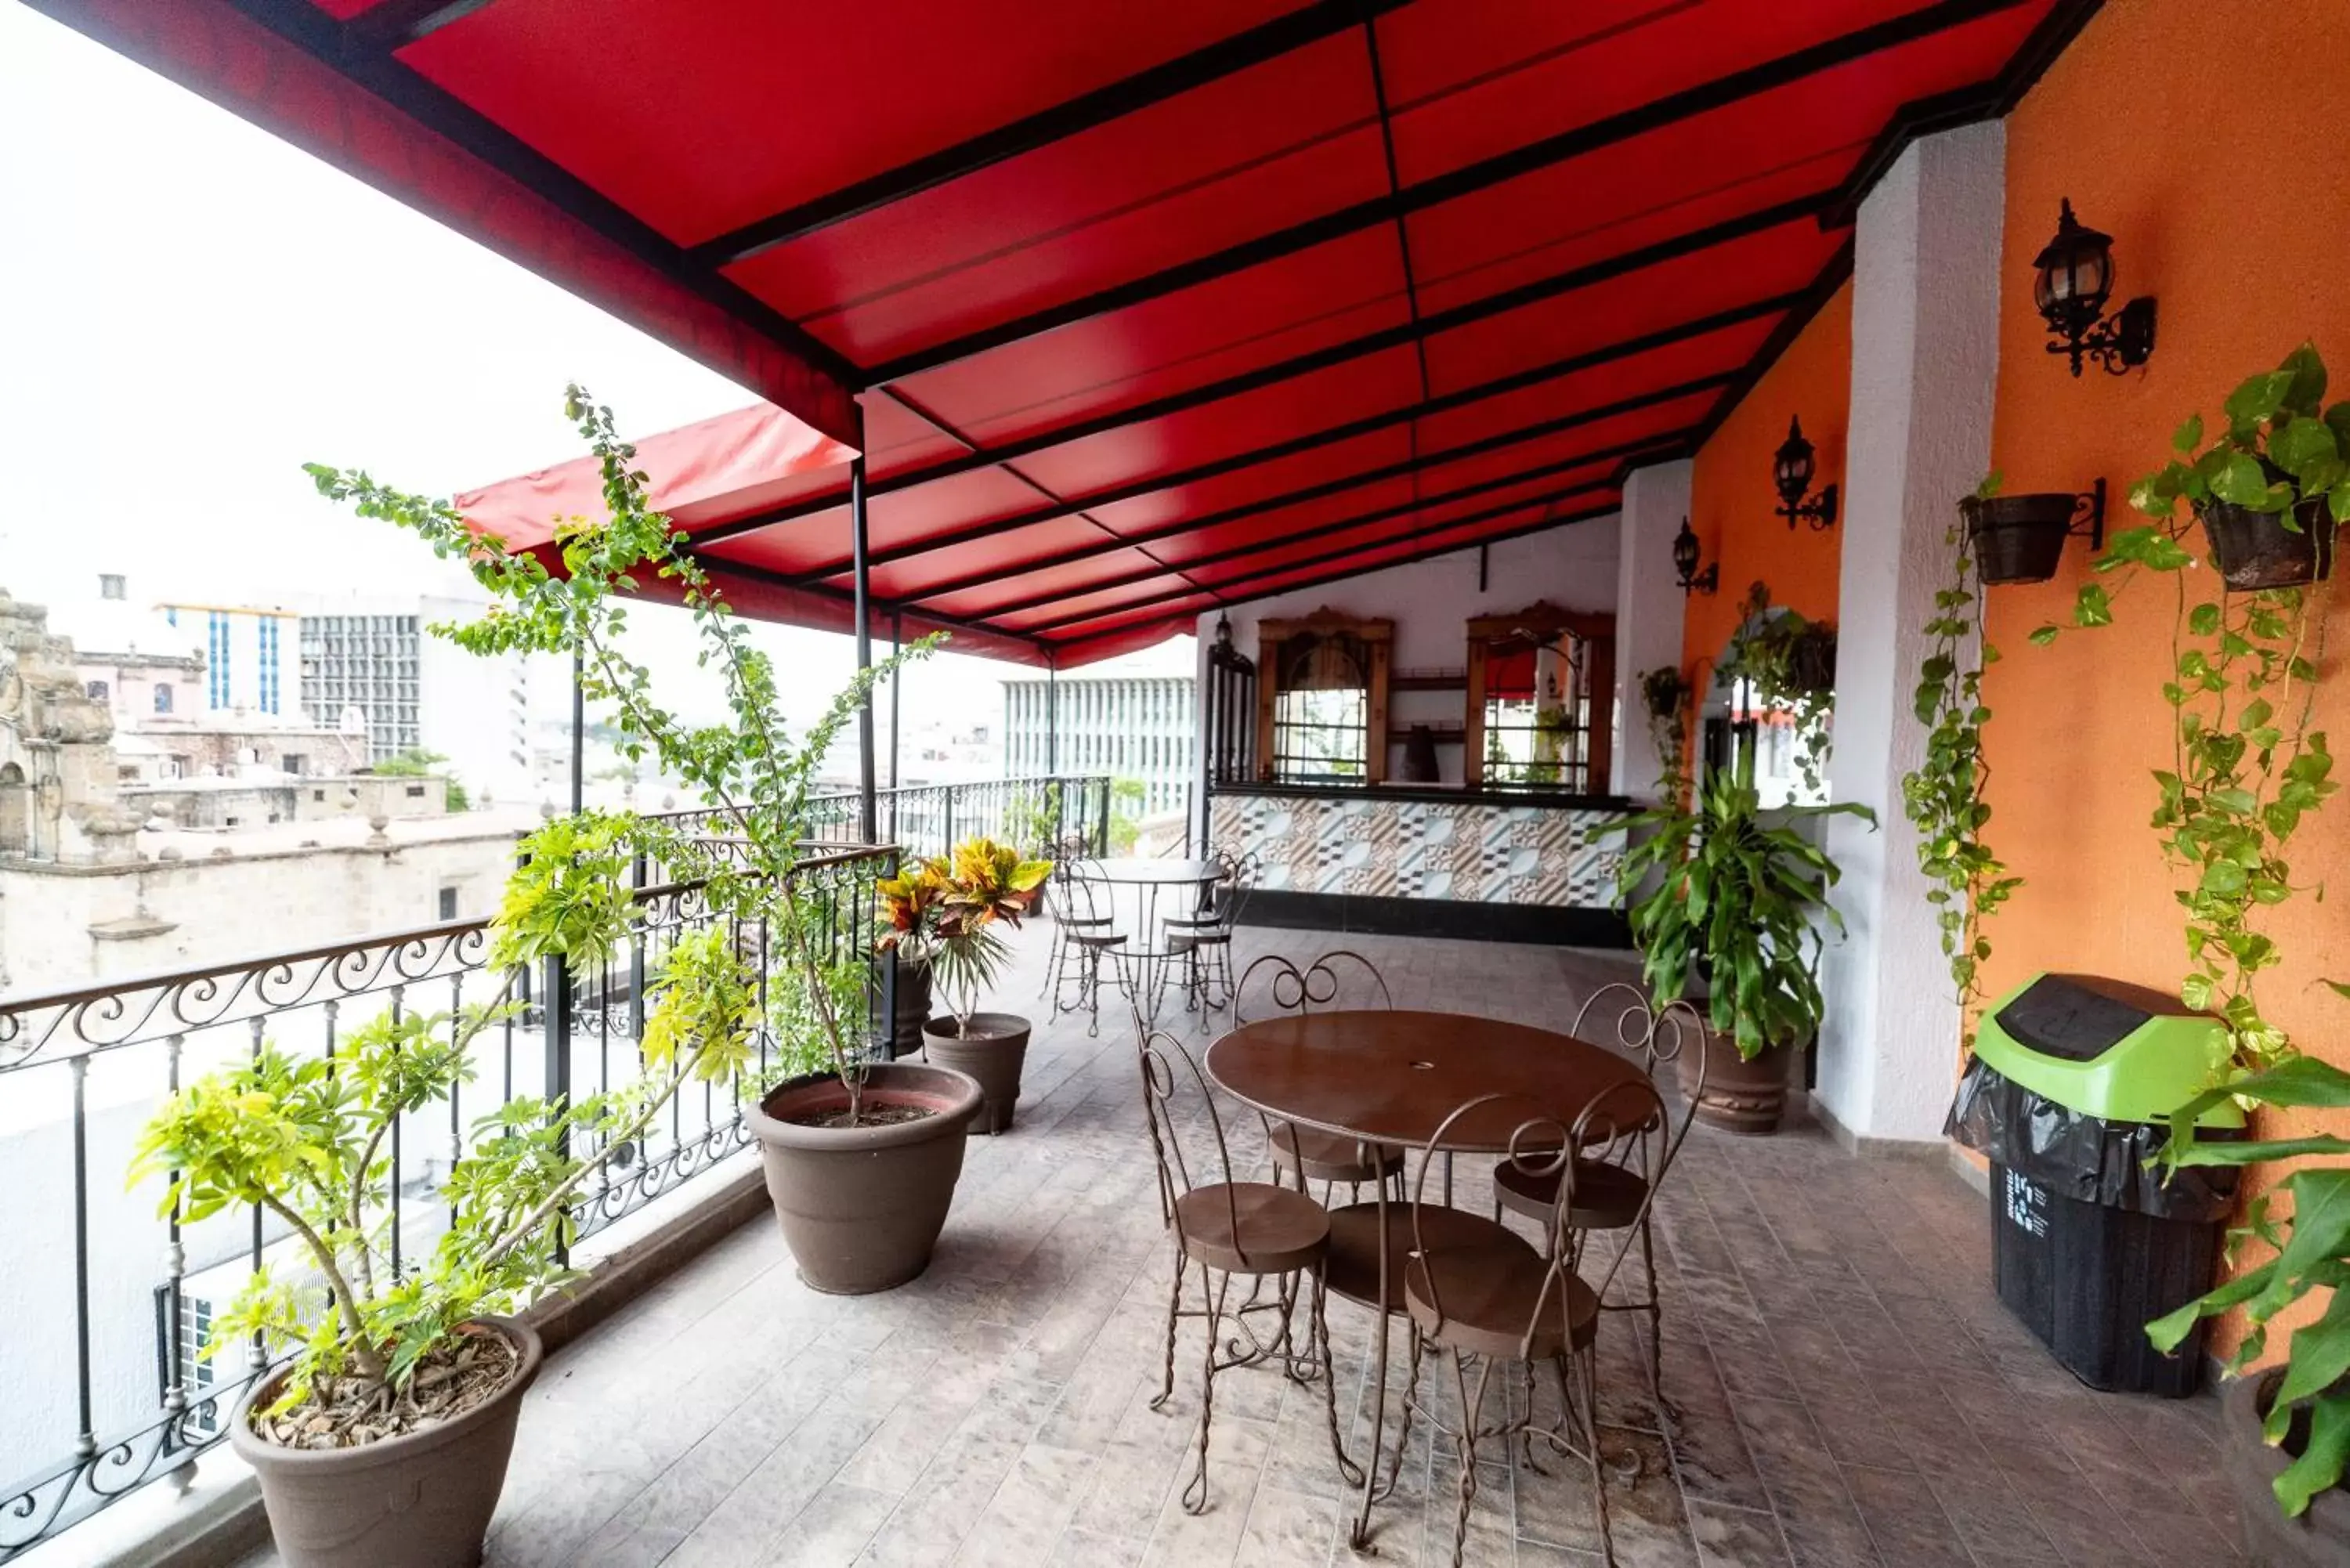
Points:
(1740, 1096)
(422, 1501)
(992, 1051)
(862, 1207)
(2319, 1537)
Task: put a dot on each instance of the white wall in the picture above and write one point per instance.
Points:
(1431, 601)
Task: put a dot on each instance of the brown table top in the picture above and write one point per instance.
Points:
(1394, 1076)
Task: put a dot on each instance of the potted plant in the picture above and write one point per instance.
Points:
(2017, 539)
(2270, 487)
(861, 1158)
(1666, 695)
(981, 884)
(383, 1443)
(910, 911)
(1787, 660)
(1740, 903)
(2285, 1428)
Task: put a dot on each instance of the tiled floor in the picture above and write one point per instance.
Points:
(1852, 1393)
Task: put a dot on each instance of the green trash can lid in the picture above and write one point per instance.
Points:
(2106, 1048)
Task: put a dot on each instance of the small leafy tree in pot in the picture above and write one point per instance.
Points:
(966, 896)
(1742, 897)
(2307, 1416)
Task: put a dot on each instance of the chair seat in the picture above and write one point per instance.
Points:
(1607, 1196)
(1280, 1230)
(1352, 1268)
(1499, 1299)
(1086, 939)
(1332, 1157)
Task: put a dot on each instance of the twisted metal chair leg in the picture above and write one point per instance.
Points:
(1195, 1491)
(1174, 1301)
(1347, 1468)
(1467, 1441)
(1670, 1414)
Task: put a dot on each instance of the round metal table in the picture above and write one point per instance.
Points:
(1147, 952)
(1394, 1078)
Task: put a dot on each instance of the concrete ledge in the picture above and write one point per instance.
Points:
(230, 1524)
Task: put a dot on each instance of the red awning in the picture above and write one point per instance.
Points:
(1145, 307)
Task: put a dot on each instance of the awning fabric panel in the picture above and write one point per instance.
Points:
(1143, 308)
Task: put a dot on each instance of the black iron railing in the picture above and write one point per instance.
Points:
(110, 1302)
(1030, 813)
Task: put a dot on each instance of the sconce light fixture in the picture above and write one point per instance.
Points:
(1686, 552)
(2073, 278)
(1791, 471)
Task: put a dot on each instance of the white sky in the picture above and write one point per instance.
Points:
(191, 309)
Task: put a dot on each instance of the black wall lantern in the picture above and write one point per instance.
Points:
(1686, 552)
(2073, 278)
(1791, 471)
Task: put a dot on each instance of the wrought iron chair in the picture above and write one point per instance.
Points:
(1204, 936)
(1340, 978)
(1608, 1194)
(1064, 853)
(1254, 1230)
(1494, 1301)
(1091, 930)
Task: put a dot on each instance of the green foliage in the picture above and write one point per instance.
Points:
(2311, 1247)
(1032, 820)
(2247, 769)
(1666, 696)
(1789, 660)
(981, 886)
(417, 762)
(1745, 900)
(1943, 796)
(1126, 799)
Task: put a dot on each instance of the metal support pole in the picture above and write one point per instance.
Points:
(867, 824)
(578, 733)
(1053, 716)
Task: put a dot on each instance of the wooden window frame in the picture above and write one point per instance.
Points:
(1377, 635)
(1596, 631)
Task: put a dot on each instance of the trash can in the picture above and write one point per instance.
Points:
(2071, 1077)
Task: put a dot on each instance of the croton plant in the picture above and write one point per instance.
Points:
(944, 913)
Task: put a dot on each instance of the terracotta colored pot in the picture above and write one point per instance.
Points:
(1739, 1095)
(424, 1500)
(992, 1052)
(2018, 538)
(862, 1207)
(2319, 1537)
(2256, 550)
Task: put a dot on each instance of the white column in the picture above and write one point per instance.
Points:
(1648, 606)
(1925, 352)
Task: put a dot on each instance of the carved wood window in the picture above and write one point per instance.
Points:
(1322, 700)
(1540, 701)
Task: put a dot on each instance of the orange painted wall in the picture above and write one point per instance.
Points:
(1732, 498)
(2235, 217)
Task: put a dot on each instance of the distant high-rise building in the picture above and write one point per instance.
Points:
(243, 648)
(1127, 726)
(370, 661)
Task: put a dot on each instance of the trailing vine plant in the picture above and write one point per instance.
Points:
(1790, 661)
(1943, 796)
(1665, 696)
(2248, 769)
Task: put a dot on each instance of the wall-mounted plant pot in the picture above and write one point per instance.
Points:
(2018, 538)
(2322, 1535)
(2255, 550)
(1812, 662)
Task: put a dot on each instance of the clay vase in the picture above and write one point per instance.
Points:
(1737, 1096)
(992, 1051)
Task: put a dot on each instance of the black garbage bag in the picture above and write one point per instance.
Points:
(2081, 1157)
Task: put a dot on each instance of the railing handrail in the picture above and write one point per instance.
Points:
(436, 939)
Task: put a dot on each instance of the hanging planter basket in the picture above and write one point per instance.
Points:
(2018, 538)
(1812, 661)
(2255, 550)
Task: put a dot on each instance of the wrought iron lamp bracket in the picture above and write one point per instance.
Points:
(2118, 344)
(1820, 510)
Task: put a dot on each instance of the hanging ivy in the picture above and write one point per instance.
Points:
(1666, 696)
(1790, 661)
(1944, 796)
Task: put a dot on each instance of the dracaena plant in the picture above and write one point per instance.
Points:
(1943, 796)
(956, 910)
(2247, 770)
(1745, 897)
(750, 768)
(2309, 1251)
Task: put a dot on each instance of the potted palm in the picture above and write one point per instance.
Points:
(383, 1441)
(2287, 1427)
(1738, 903)
(861, 1158)
(983, 886)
